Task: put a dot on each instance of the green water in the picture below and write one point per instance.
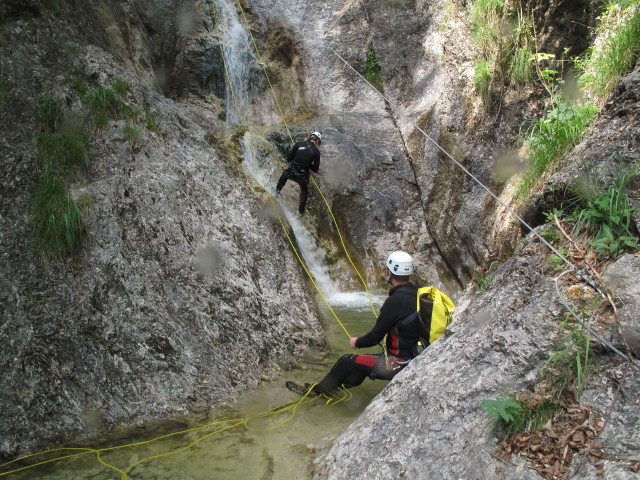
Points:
(278, 446)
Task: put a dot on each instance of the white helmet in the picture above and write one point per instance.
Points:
(400, 263)
(318, 135)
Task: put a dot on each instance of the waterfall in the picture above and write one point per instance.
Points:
(314, 257)
(242, 66)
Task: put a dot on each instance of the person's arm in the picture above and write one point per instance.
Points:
(292, 153)
(315, 162)
(377, 333)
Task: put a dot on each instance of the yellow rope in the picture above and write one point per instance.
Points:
(232, 423)
(284, 121)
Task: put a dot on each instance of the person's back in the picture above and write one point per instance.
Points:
(303, 157)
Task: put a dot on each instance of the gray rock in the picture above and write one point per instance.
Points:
(622, 278)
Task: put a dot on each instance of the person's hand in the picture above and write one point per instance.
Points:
(352, 342)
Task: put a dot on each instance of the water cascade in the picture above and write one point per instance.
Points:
(314, 257)
(242, 66)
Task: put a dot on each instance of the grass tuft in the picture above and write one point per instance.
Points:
(605, 213)
(52, 114)
(104, 104)
(550, 137)
(66, 151)
(482, 78)
(58, 222)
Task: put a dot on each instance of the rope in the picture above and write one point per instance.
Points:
(289, 407)
(589, 279)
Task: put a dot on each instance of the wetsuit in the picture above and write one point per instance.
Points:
(351, 370)
(304, 156)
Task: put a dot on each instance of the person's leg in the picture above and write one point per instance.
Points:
(349, 370)
(304, 194)
(282, 181)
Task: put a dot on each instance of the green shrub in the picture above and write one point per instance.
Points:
(605, 213)
(372, 70)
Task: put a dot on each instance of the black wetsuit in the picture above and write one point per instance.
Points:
(304, 156)
(351, 370)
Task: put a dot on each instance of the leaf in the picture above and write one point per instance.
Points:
(504, 408)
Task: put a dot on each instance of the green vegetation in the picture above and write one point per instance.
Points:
(482, 281)
(566, 368)
(503, 33)
(603, 66)
(80, 85)
(372, 70)
(599, 71)
(482, 78)
(58, 223)
(555, 263)
(552, 136)
(131, 133)
(120, 87)
(74, 50)
(104, 104)
(52, 114)
(152, 123)
(605, 214)
(518, 414)
(62, 147)
(66, 150)
(550, 233)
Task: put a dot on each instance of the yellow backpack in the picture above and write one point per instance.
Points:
(435, 311)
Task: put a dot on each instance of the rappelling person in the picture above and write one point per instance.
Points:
(303, 157)
(351, 370)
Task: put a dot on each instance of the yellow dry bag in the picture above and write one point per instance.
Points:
(435, 311)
